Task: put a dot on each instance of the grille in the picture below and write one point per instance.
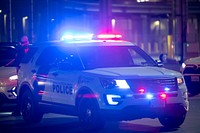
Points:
(153, 85)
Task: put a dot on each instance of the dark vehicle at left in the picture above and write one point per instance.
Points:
(8, 72)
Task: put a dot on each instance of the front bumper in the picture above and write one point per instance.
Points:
(8, 94)
(136, 106)
(138, 112)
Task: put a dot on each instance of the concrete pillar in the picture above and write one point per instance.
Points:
(149, 48)
(156, 49)
(179, 25)
(10, 21)
(144, 30)
(105, 15)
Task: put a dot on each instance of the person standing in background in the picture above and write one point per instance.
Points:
(24, 43)
(21, 51)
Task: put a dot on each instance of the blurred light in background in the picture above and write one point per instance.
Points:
(113, 21)
(24, 23)
(142, 0)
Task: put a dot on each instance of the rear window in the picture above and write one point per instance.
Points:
(58, 56)
(7, 54)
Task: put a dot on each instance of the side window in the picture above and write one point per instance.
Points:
(26, 58)
(67, 59)
(7, 55)
(46, 60)
(59, 58)
(137, 59)
(47, 57)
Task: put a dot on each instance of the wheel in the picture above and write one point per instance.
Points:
(89, 115)
(172, 121)
(29, 108)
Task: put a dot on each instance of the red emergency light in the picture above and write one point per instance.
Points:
(163, 96)
(109, 36)
(141, 90)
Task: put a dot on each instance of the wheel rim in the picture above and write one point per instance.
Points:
(27, 107)
(88, 114)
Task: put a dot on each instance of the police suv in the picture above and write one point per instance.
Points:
(98, 81)
(191, 71)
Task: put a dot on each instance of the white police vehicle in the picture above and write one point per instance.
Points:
(100, 80)
(191, 71)
(8, 73)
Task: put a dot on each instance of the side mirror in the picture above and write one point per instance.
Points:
(159, 63)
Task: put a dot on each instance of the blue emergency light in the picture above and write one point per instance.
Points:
(77, 37)
(89, 36)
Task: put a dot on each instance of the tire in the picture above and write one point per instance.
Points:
(29, 108)
(89, 115)
(172, 121)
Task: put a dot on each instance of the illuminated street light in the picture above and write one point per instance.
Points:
(4, 21)
(24, 23)
(142, 0)
(0, 11)
(113, 21)
(157, 23)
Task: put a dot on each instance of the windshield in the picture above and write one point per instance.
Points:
(114, 56)
(7, 54)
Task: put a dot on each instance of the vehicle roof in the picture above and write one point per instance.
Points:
(86, 43)
(194, 60)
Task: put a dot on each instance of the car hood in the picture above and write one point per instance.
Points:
(7, 71)
(195, 60)
(134, 72)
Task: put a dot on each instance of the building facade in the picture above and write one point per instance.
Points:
(157, 26)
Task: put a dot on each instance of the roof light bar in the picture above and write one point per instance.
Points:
(141, 90)
(149, 96)
(109, 36)
(77, 37)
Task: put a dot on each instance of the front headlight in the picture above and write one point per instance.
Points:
(183, 65)
(14, 77)
(180, 80)
(113, 83)
(113, 99)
